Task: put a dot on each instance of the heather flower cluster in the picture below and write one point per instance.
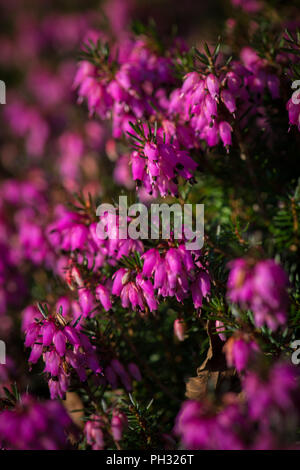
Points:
(63, 349)
(34, 425)
(262, 288)
(105, 334)
(96, 430)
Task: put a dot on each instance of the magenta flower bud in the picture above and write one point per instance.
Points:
(31, 334)
(111, 377)
(121, 372)
(118, 367)
(79, 235)
(36, 353)
(229, 100)
(241, 353)
(126, 381)
(52, 363)
(174, 102)
(125, 296)
(116, 91)
(135, 295)
(160, 275)
(48, 331)
(190, 80)
(86, 301)
(179, 329)
(151, 151)
(204, 282)
(134, 371)
(123, 77)
(197, 295)
(173, 259)
(294, 111)
(59, 341)
(54, 389)
(72, 336)
(151, 259)
(239, 350)
(273, 83)
(138, 167)
(103, 295)
(94, 433)
(64, 382)
(234, 82)
(213, 86)
(153, 170)
(212, 134)
(198, 94)
(225, 130)
(148, 292)
(118, 283)
(93, 363)
(118, 422)
(210, 108)
(187, 258)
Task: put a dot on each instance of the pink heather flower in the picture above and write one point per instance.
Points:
(151, 260)
(134, 371)
(229, 100)
(200, 288)
(102, 294)
(118, 423)
(59, 341)
(240, 350)
(225, 130)
(261, 288)
(213, 86)
(240, 282)
(48, 331)
(121, 372)
(179, 329)
(273, 84)
(294, 112)
(93, 432)
(87, 302)
(111, 377)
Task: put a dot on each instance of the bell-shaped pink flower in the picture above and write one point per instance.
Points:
(229, 100)
(118, 423)
(225, 130)
(213, 86)
(102, 294)
(59, 341)
(179, 329)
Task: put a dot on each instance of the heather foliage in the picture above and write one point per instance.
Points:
(121, 343)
